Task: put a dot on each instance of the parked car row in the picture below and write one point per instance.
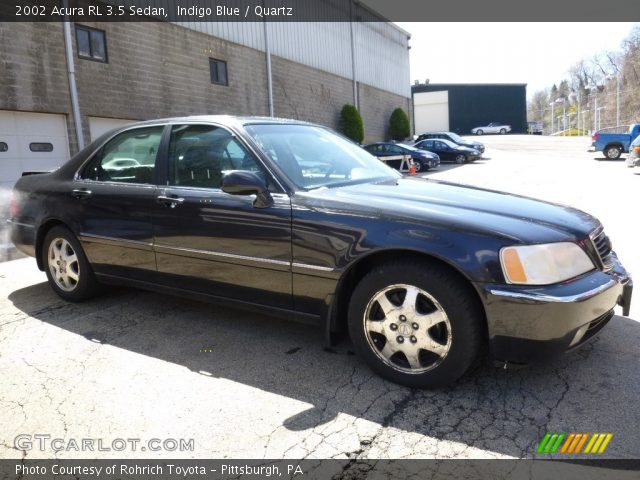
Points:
(400, 156)
(427, 152)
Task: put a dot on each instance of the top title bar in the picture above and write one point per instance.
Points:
(316, 10)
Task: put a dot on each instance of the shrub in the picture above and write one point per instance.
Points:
(351, 124)
(399, 128)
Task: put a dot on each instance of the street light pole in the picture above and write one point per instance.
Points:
(618, 99)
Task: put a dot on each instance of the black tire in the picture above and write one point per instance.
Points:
(479, 132)
(420, 167)
(86, 285)
(441, 294)
(460, 159)
(503, 131)
(612, 152)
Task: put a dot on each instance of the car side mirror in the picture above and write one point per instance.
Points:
(242, 182)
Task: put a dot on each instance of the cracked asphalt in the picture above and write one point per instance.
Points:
(137, 365)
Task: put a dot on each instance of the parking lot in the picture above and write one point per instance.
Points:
(137, 365)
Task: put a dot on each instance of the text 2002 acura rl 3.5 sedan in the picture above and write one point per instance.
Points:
(291, 217)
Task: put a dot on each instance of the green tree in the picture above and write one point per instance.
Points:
(351, 124)
(399, 127)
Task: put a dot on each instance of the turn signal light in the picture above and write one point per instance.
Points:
(513, 266)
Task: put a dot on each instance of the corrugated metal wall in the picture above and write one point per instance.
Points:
(381, 48)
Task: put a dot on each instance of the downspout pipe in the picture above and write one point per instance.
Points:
(71, 70)
(353, 58)
(267, 53)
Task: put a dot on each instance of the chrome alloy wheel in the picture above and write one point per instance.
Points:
(407, 328)
(63, 264)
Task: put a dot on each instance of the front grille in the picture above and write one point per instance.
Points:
(602, 245)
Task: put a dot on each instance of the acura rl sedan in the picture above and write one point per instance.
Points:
(293, 218)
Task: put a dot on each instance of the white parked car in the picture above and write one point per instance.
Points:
(493, 127)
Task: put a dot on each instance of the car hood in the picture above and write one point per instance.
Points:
(476, 210)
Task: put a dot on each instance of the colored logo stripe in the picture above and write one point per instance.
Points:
(550, 442)
(597, 443)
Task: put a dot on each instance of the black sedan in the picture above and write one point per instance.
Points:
(391, 153)
(452, 137)
(289, 217)
(449, 151)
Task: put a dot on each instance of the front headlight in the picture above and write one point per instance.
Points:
(544, 264)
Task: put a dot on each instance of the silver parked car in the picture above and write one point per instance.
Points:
(493, 127)
(633, 160)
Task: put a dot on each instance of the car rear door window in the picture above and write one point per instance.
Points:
(130, 157)
(200, 156)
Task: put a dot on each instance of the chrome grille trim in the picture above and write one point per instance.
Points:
(602, 246)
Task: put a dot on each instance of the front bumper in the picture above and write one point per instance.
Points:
(531, 324)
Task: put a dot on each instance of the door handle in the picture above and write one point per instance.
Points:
(80, 193)
(171, 201)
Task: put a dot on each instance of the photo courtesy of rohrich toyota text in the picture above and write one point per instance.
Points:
(328, 239)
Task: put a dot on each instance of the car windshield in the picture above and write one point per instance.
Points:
(455, 137)
(314, 157)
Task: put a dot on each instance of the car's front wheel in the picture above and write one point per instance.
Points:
(66, 265)
(460, 159)
(419, 166)
(415, 324)
(479, 132)
(503, 131)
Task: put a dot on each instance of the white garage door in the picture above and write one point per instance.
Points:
(431, 111)
(31, 142)
(100, 125)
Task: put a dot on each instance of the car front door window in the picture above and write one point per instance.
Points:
(200, 156)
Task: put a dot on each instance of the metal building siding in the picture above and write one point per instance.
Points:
(382, 57)
(326, 46)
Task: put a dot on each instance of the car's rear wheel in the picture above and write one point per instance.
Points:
(460, 159)
(479, 132)
(503, 131)
(66, 265)
(415, 324)
(613, 152)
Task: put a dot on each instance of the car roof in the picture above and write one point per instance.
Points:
(225, 119)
